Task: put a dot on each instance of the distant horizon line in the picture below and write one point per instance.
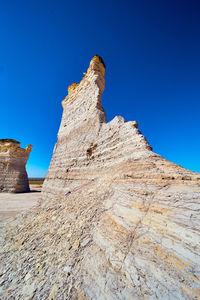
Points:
(36, 178)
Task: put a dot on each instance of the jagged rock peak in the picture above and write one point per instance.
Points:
(95, 73)
(96, 56)
(13, 159)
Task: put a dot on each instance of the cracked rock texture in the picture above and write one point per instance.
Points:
(13, 159)
(116, 221)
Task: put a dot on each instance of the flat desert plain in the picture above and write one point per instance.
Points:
(13, 204)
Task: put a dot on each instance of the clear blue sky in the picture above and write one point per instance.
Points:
(152, 54)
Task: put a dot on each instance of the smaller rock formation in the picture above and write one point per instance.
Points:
(13, 159)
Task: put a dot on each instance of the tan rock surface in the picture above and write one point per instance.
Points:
(13, 159)
(117, 221)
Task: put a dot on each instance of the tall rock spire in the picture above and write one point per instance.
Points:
(83, 103)
(84, 137)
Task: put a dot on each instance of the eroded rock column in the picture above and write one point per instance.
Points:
(13, 159)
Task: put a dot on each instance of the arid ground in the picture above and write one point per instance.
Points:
(13, 204)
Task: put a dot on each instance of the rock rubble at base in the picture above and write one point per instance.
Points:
(116, 221)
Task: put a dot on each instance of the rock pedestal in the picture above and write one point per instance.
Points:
(13, 159)
(117, 221)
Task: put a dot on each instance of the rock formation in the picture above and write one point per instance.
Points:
(116, 221)
(13, 159)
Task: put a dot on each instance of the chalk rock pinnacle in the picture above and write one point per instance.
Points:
(85, 141)
(13, 159)
(116, 221)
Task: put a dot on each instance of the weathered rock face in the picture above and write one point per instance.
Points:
(117, 221)
(13, 159)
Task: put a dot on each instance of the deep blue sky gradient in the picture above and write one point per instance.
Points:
(152, 54)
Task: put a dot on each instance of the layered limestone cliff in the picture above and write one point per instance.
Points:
(13, 159)
(116, 221)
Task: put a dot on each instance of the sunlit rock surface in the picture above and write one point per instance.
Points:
(117, 221)
(13, 159)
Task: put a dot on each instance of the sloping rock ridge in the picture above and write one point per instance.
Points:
(116, 220)
(13, 159)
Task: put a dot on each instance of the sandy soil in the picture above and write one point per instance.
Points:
(13, 204)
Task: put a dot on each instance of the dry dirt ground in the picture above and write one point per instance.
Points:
(13, 204)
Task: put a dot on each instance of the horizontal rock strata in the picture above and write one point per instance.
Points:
(117, 221)
(13, 159)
